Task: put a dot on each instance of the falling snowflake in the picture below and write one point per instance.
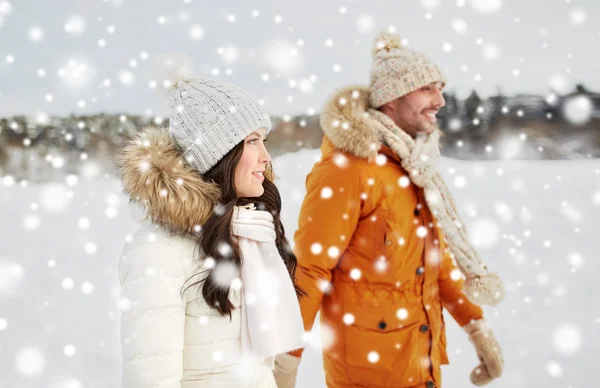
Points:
(225, 273)
(218, 356)
(484, 233)
(504, 211)
(459, 25)
(11, 275)
(373, 357)
(571, 212)
(554, 369)
(316, 248)
(578, 110)
(90, 248)
(54, 198)
(5, 7)
(305, 86)
(75, 25)
(321, 337)
(126, 77)
(486, 6)
(326, 192)
(380, 159)
(575, 259)
(567, 339)
(230, 53)
(333, 252)
(68, 383)
(355, 273)
(490, 52)
(430, 4)
(460, 182)
(30, 362)
(36, 34)
(510, 147)
(578, 16)
(559, 84)
(69, 350)
(403, 181)
(365, 24)
(421, 231)
(224, 249)
(87, 287)
(67, 283)
(402, 313)
(348, 319)
(32, 222)
(283, 56)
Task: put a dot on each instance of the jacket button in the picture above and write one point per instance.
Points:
(424, 328)
(420, 271)
(382, 325)
(430, 384)
(416, 212)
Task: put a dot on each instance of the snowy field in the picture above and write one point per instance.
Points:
(533, 222)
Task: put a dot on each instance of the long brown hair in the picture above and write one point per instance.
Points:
(217, 230)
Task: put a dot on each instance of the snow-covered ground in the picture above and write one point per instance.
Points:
(534, 223)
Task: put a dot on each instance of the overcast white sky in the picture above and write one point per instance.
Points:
(283, 52)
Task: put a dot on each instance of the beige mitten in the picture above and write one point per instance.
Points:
(286, 369)
(488, 351)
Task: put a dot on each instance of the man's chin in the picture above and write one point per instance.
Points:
(427, 129)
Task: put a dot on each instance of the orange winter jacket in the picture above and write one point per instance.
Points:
(371, 259)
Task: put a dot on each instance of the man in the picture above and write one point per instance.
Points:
(378, 234)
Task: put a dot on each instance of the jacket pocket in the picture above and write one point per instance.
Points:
(382, 350)
(378, 235)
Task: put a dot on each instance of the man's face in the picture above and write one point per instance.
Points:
(416, 112)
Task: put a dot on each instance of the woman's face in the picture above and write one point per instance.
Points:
(249, 172)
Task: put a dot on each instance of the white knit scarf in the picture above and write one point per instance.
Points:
(419, 158)
(271, 319)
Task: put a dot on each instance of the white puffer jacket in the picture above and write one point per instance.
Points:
(171, 339)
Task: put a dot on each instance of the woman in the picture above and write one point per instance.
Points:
(208, 297)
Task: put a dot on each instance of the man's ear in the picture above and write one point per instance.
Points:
(389, 108)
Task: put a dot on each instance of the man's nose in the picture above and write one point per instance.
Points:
(440, 101)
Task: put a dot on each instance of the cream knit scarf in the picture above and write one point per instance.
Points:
(271, 319)
(419, 158)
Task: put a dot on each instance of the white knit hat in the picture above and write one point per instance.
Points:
(208, 119)
(397, 71)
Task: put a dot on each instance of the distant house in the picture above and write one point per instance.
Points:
(529, 107)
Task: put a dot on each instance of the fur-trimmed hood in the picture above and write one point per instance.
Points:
(348, 125)
(155, 175)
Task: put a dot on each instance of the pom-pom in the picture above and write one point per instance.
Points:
(386, 41)
(171, 68)
(485, 289)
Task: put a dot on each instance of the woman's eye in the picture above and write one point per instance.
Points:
(252, 141)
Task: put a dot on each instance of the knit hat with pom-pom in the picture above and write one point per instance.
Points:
(397, 71)
(208, 119)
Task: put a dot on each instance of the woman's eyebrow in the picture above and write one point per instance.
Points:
(257, 134)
